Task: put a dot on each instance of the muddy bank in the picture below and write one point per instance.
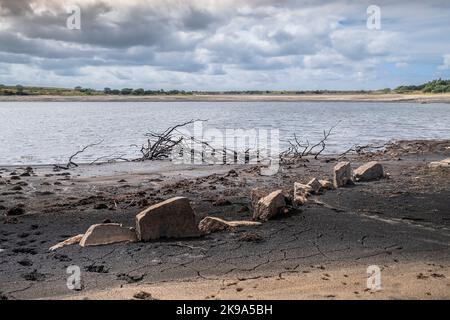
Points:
(398, 221)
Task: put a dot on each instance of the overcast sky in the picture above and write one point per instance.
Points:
(223, 44)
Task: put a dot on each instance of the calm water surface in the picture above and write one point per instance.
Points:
(49, 132)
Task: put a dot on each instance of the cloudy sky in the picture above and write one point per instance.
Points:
(223, 44)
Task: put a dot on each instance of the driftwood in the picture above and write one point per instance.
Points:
(163, 145)
(366, 149)
(71, 162)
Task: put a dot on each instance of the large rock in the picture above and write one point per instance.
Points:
(342, 174)
(257, 193)
(213, 224)
(173, 218)
(107, 233)
(269, 206)
(301, 193)
(372, 170)
(440, 164)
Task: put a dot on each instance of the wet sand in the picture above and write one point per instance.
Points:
(400, 224)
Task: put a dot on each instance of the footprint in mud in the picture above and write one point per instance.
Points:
(96, 269)
(34, 276)
(25, 262)
(62, 257)
(31, 251)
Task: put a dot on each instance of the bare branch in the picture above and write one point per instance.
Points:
(71, 162)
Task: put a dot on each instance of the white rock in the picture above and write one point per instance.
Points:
(72, 240)
(107, 233)
(342, 174)
(269, 206)
(440, 164)
(173, 218)
(213, 224)
(301, 193)
(372, 170)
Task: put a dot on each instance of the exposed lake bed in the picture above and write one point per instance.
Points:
(400, 224)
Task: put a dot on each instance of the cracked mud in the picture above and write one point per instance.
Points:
(398, 221)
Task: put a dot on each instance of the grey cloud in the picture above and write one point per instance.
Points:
(217, 38)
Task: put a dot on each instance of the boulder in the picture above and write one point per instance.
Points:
(315, 185)
(173, 218)
(372, 170)
(269, 206)
(213, 224)
(301, 193)
(326, 184)
(342, 174)
(440, 164)
(107, 233)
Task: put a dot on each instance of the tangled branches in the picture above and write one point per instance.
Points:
(299, 149)
(159, 146)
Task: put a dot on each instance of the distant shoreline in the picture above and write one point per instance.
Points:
(420, 98)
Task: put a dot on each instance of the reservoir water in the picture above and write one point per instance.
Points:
(49, 132)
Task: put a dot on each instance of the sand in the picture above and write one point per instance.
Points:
(417, 280)
(413, 97)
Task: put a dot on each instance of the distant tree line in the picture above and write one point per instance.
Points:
(142, 92)
(435, 86)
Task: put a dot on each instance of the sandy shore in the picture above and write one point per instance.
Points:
(421, 98)
(401, 224)
(418, 280)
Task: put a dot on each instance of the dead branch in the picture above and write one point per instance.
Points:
(159, 146)
(110, 159)
(70, 162)
(299, 149)
(359, 150)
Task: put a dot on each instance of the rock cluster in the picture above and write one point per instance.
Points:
(174, 218)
